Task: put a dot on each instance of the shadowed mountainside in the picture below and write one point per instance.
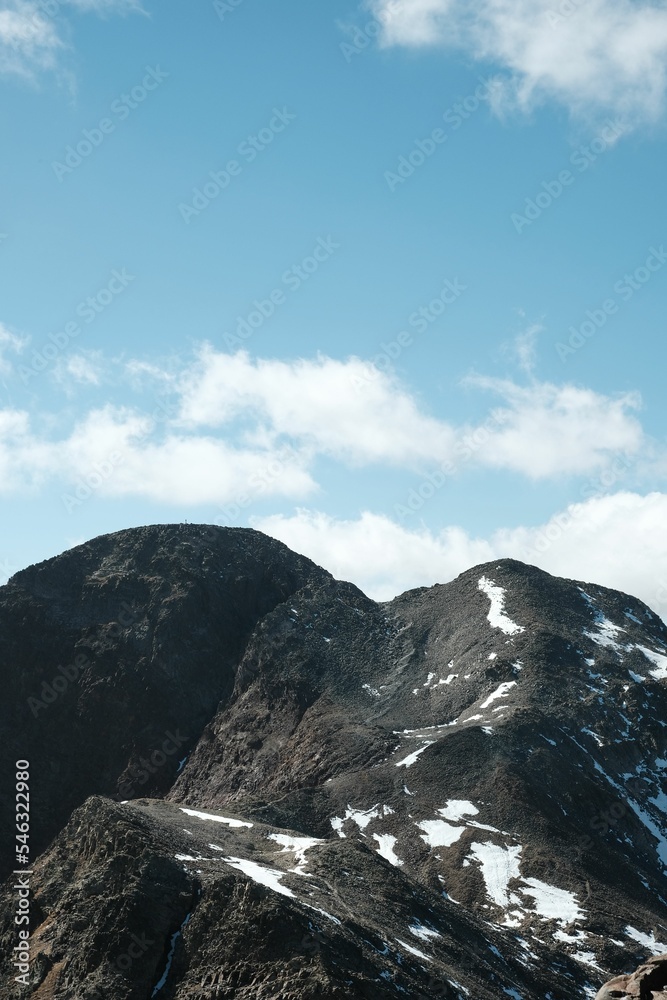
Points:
(293, 791)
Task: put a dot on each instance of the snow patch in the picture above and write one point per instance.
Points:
(646, 940)
(420, 931)
(269, 877)
(386, 848)
(215, 818)
(456, 809)
(413, 951)
(297, 846)
(170, 956)
(371, 690)
(660, 661)
(496, 614)
(552, 903)
(412, 757)
(361, 818)
(501, 692)
(437, 833)
(499, 865)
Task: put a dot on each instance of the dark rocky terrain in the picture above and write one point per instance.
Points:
(255, 782)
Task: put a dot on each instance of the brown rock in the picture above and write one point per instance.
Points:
(648, 982)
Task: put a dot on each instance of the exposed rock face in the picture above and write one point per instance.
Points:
(458, 793)
(121, 645)
(649, 982)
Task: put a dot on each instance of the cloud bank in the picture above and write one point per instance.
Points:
(617, 541)
(593, 56)
(209, 430)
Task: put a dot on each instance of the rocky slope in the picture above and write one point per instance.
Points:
(297, 792)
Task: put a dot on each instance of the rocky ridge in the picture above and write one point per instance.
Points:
(298, 792)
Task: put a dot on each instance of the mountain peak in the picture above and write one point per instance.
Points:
(461, 789)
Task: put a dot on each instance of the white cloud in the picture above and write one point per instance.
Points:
(616, 541)
(354, 413)
(10, 342)
(141, 462)
(525, 347)
(82, 369)
(331, 406)
(555, 430)
(106, 6)
(181, 468)
(604, 56)
(376, 553)
(414, 22)
(24, 460)
(30, 39)
(217, 426)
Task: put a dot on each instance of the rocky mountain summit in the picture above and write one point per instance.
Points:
(249, 780)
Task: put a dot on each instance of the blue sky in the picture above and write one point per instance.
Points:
(385, 280)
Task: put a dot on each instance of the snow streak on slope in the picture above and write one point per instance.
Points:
(269, 877)
(500, 692)
(386, 848)
(437, 833)
(553, 903)
(660, 661)
(496, 615)
(298, 846)
(499, 865)
(214, 818)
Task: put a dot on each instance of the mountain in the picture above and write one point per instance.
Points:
(249, 780)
